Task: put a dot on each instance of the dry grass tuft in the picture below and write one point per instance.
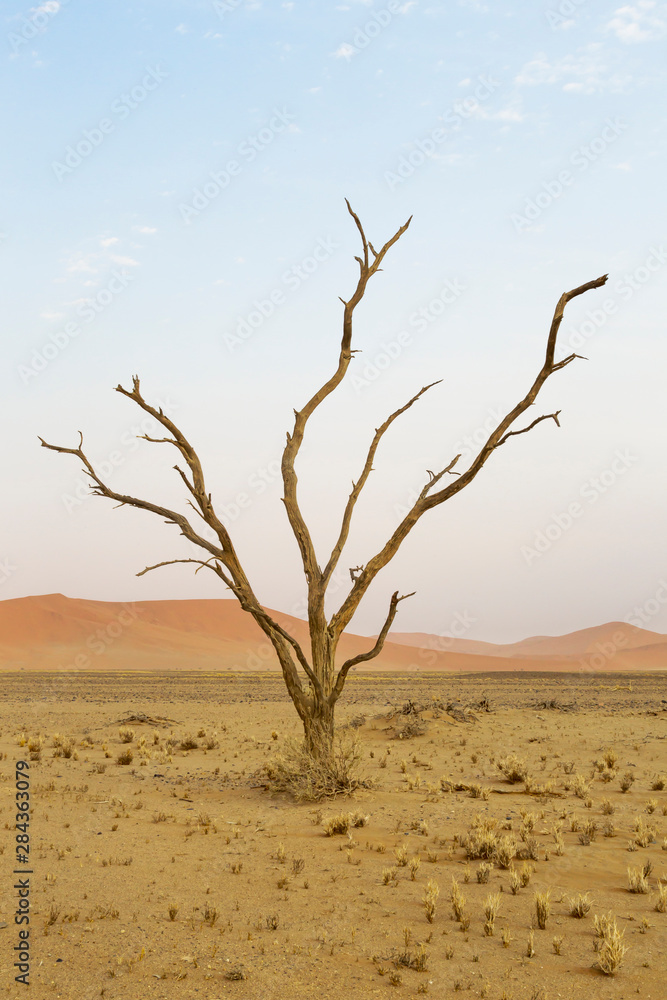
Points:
(610, 947)
(542, 908)
(514, 769)
(579, 905)
(430, 899)
(310, 778)
(637, 880)
(491, 907)
(627, 781)
(458, 901)
(661, 905)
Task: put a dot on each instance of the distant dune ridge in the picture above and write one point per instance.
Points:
(53, 632)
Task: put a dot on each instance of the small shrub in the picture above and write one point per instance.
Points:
(627, 781)
(457, 900)
(483, 872)
(491, 907)
(125, 734)
(513, 769)
(389, 875)
(312, 777)
(542, 908)
(611, 949)
(339, 824)
(525, 874)
(637, 880)
(401, 855)
(125, 757)
(504, 852)
(580, 786)
(430, 899)
(579, 905)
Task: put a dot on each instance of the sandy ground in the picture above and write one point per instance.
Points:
(256, 888)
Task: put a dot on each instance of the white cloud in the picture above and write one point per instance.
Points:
(510, 113)
(82, 262)
(124, 261)
(344, 51)
(109, 241)
(50, 7)
(582, 72)
(643, 21)
(145, 229)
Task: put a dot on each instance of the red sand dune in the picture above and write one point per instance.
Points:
(53, 632)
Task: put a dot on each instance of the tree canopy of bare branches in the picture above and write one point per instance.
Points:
(313, 679)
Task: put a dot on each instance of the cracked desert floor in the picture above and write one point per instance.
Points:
(180, 874)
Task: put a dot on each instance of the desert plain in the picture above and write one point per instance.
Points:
(508, 839)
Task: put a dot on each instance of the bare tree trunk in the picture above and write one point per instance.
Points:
(319, 730)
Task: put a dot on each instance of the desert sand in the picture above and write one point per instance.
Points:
(180, 874)
(53, 632)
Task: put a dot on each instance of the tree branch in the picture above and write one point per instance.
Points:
(372, 653)
(222, 555)
(498, 436)
(366, 271)
(361, 482)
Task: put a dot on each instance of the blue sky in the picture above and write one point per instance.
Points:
(174, 181)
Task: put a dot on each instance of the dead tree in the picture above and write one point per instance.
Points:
(315, 701)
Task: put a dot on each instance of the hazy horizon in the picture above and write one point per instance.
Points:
(182, 216)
